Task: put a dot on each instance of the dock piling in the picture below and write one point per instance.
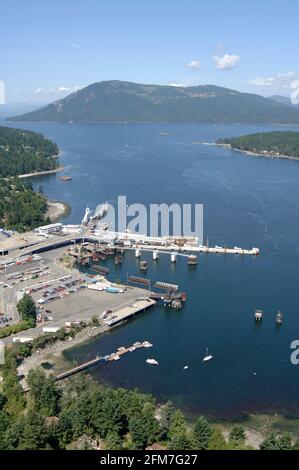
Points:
(258, 316)
(279, 318)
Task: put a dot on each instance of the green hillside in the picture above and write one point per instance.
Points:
(116, 101)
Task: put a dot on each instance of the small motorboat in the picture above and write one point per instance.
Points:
(186, 367)
(208, 357)
(152, 362)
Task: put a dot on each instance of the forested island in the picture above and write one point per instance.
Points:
(272, 144)
(22, 152)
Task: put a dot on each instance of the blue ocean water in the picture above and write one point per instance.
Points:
(248, 202)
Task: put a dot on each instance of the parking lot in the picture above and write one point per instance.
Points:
(21, 276)
(61, 295)
(86, 303)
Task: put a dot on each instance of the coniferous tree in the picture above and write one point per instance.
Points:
(270, 443)
(285, 442)
(202, 433)
(217, 441)
(44, 392)
(181, 441)
(166, 415)
(113, 442)
(237, 435)
(177, 424)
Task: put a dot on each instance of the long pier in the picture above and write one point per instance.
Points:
(110, 357)
(182, 251)
(12, 249)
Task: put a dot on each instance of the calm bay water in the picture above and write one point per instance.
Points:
(247, 202)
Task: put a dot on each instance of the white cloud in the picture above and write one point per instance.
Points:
(227, 62)
(2, 92)
(182, 84)
(295, 92)
(64, 89)
(282, 81)
(56, 92)
(295, 84)
(73, 44)
(194, 65)
(176, 84)
(262, 82)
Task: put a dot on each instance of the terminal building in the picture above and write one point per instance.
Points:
(48, 229)
(72, 229)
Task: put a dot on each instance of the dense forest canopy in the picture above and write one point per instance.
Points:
(21, 208)
(272, 143)
(22, 152)
(25, 152)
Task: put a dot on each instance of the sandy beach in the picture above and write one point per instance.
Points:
(57, 210)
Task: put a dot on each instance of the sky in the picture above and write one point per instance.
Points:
(51, 48)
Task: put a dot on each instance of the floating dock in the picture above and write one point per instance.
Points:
(166, 286)
(99, 269)
(99, 359)
(138, 280)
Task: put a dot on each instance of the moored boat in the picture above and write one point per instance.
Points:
(208, 357)
(152, 362)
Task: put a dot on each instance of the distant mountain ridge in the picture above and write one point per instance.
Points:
(284, 100)
(116, 101)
